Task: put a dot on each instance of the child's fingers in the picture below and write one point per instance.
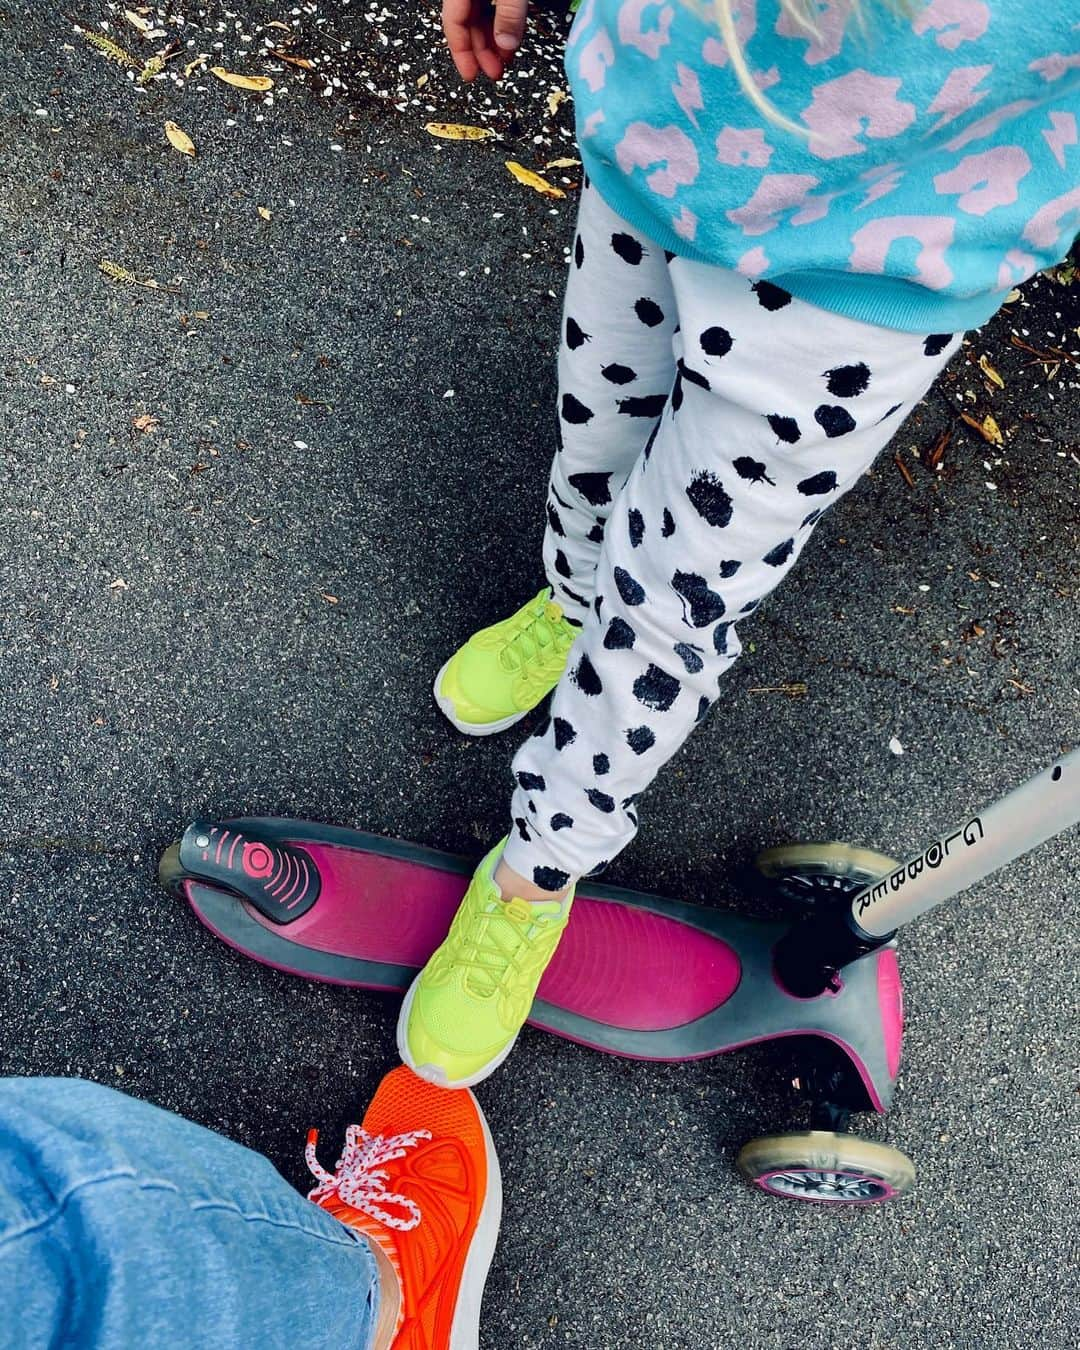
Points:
(510, 24)
(488, 59)
(458, 32)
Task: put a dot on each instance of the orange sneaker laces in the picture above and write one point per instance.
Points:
(360, 1179)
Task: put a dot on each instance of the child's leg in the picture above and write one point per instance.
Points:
(616, 366)
(776, 410)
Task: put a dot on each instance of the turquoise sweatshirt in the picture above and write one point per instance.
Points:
(940, 169)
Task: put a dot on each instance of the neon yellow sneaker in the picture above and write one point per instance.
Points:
(502, 672)
(464, 1010)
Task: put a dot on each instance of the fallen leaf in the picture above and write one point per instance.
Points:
(556, 97)
(200, 313)
(792, 690)
(938, 449)
(902, 609)
(137, 21)
(533, 180)
(200, 60)
(179, 139)
(904, 470)
(260, 83)
(117, 273)
(300, 61)
(111, 49)
(262, 210)
(422, 81)
(990, 373)
(153, 67)
(562, 164)
(988, 429)
(118, 585)
(456, 131)
(1012, 297)
(276, 23)
(145, 422)
(330, 599)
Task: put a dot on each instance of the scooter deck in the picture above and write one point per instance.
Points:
(635, 974)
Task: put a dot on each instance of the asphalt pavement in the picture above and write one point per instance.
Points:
(246, 513)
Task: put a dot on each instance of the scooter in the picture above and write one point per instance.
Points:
(644, 976)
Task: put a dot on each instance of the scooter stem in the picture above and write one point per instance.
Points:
(808, 957)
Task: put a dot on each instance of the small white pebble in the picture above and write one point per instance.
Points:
(300, 445)
(449, 394)
(896, 747)
(924, 588)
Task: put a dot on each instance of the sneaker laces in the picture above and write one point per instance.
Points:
(545, 639)
(360, 1179)
(496, 944)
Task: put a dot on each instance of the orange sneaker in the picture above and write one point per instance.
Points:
(420, 1179)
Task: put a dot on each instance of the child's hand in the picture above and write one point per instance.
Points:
(483, 36)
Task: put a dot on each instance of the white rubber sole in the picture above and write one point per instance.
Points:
(435, 1073)
(465, 1331)
(446, 707)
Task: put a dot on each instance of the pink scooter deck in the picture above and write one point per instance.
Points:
(635, 974)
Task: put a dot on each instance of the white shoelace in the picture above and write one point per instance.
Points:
(359, 1179)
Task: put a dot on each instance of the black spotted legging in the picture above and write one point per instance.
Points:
(706, 422)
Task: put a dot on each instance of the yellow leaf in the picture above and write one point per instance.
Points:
(264, 213)
(988, 429)
(260, 83)
(533, 180)
(562, 164)
(556, 97)
(454, 131)
(276, 23)
(990, 373)
(992, 431)
(200, 60)
(179, 139)
(137, 21)
(1012, 297)
(422, 81)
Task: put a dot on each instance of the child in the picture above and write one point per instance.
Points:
(792, 211)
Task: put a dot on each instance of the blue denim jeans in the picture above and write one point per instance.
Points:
(124, 1226)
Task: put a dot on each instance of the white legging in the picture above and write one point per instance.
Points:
(706, 422)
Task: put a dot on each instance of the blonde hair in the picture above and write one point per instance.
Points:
(805, 14)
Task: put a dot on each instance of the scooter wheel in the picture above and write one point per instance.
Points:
(813, 874)
(834, 1169)
(170, 872)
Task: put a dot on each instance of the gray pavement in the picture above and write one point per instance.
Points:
(238, 607)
